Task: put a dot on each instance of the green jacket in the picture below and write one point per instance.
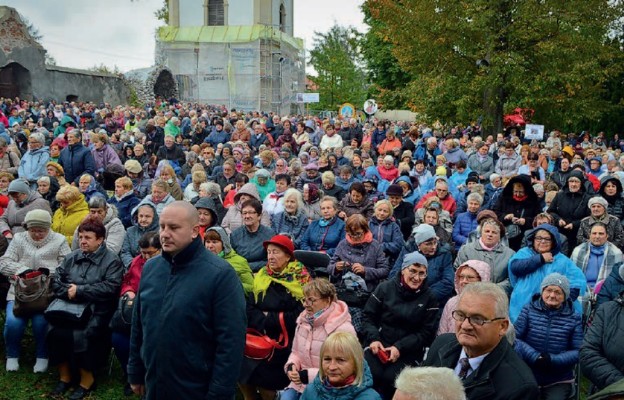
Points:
(242, 269)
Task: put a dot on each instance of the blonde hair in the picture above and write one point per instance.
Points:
(349, 346)
(68, 193)
(386, 203)
(322, 287)
(168, 169)
(328, 177)
(199, 177)
(125, 182)
(161, 184)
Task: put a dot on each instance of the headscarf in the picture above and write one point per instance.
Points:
(293, 278)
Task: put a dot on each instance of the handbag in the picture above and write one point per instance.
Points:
(122, 318)
(32, 293)
(354, 297)
(68, 314)
(261, 347)
(513, 230)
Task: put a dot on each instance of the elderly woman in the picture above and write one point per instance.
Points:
(548, 337)
(192, 190)
(167, 175)
(217, 241)
(312, 201)
(356, 202)
(466, 222)
(488, 248)
(598, 207)
(5, 180)
(124, 200)
(90, 187)
(569, 206)
(444, 217)
(33, 163)
(385, 229)
(344, 374)
(148, 247)
(23, 200)
(37, 249)
(325, 233)
(277, 291)
(292, 221)
(48, 187)
(324, 314)
(516, 207)
(357, 266)
(247, 239)
(399, 321)
(56, 170)
(234, 218)
(88, 278)
(541, 257)
(72, 211)
(469, 272)
(144, 219)
(103, 154)
(115, 232)
(159, 197)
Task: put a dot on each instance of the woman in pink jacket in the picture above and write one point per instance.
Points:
(324, 314)
(468, 272)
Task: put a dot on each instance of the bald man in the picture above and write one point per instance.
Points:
(189, 323)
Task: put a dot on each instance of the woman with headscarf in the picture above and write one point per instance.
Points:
(277, 290)
(569, 206)
(611, 190)
(312, 202)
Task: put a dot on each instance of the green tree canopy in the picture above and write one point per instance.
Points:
(336, 58)
(470, 58)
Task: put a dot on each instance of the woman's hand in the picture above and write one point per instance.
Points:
(130, 294)
(340, 265)
(519, 221)
(568, 227)
(342, 215)
(375, 347)
(358, 269)
(548, 257)
(562, 223)
(293, 375)
(509, 217)
(71, 291)
(394, 353)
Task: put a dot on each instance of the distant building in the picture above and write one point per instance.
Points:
(240, 53)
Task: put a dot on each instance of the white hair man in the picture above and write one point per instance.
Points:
(424, 383)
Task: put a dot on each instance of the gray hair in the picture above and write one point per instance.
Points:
(492, 290)
(38, 136)
(44, 178)
(98, 202)
(475, 197)
(494, 177)
(212, 188)
(423, 383)
(297, 195)
(432, 140)
(332, 199)
(191, 156)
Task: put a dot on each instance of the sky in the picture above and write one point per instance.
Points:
(82, 34)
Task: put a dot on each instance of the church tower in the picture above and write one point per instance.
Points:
(239, 53)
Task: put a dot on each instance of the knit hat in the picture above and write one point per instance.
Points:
(423, 232)
(413, 258)
(282, 241)
(19, 186)
(556, 279)
(133, 166)
(472, 177)
(394, 190)
(37, 219)
(59, 169)
(598, 200)
(311, 166)
(263, 173)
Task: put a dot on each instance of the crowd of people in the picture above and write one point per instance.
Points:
(380, 257)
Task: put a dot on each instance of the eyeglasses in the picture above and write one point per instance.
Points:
(542, 239)
(309, 300)
(441, 190)
(475, 320)
(468, 278)
(418, 274)
(249, 213)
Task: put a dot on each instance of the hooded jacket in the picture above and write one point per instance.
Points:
(413, 195)
(527, 269)
(237, 262)
(317, 390)
(124, 206)
(115, 231)
(508, 166)
(616, 202)
(104, 157)
(447, 323)
(323, 238)
(557, 332)
(602, 353)
(364, 207)
(32, 166)
(527, 209)
(388, 233)
(309, 337)
(234, 219)
(370, 255)
(571, 207)
(66, 221)
(13, 217)
(484, 168)
(130, 247)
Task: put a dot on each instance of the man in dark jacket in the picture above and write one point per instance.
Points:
(75, 158)
(403, 211)
(189, 321)
(170, 151)
(478, 352)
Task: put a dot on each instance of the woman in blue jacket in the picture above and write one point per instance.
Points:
(324, 234)
(466, 222)
(549, 335)
(541, 257)
(385, 229)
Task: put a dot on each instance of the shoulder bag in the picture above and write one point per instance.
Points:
(261, 347)
(32, 293)
(122, 319)
(67, 314)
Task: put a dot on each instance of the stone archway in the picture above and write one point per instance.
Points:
(15, 81)
(165, 86)
(71, 97)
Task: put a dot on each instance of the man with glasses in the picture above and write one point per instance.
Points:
(478, 351)
(33, 163)
(442, 192)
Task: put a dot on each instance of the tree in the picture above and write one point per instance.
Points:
(337, 59)
(162, 14)
(484, 57)
(104, 69)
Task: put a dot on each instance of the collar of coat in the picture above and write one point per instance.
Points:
(185, 256)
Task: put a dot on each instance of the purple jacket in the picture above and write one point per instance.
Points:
(105, 157)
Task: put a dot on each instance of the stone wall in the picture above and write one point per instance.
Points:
(151, 82)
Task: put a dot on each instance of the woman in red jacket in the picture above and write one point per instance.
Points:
(150, 247)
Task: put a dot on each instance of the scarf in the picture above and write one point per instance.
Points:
(366, 238)
(596, 257)
(484, 246)
(293, 277)
(347, 382)
(520, 198)
(325, 222)
(311, 318)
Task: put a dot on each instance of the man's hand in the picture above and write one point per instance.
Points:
(138, 389)
(394, 353)
(71, 291)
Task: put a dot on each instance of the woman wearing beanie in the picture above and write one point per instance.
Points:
(598, 207)
(37, 249)
(549, 335)
(399, 321)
